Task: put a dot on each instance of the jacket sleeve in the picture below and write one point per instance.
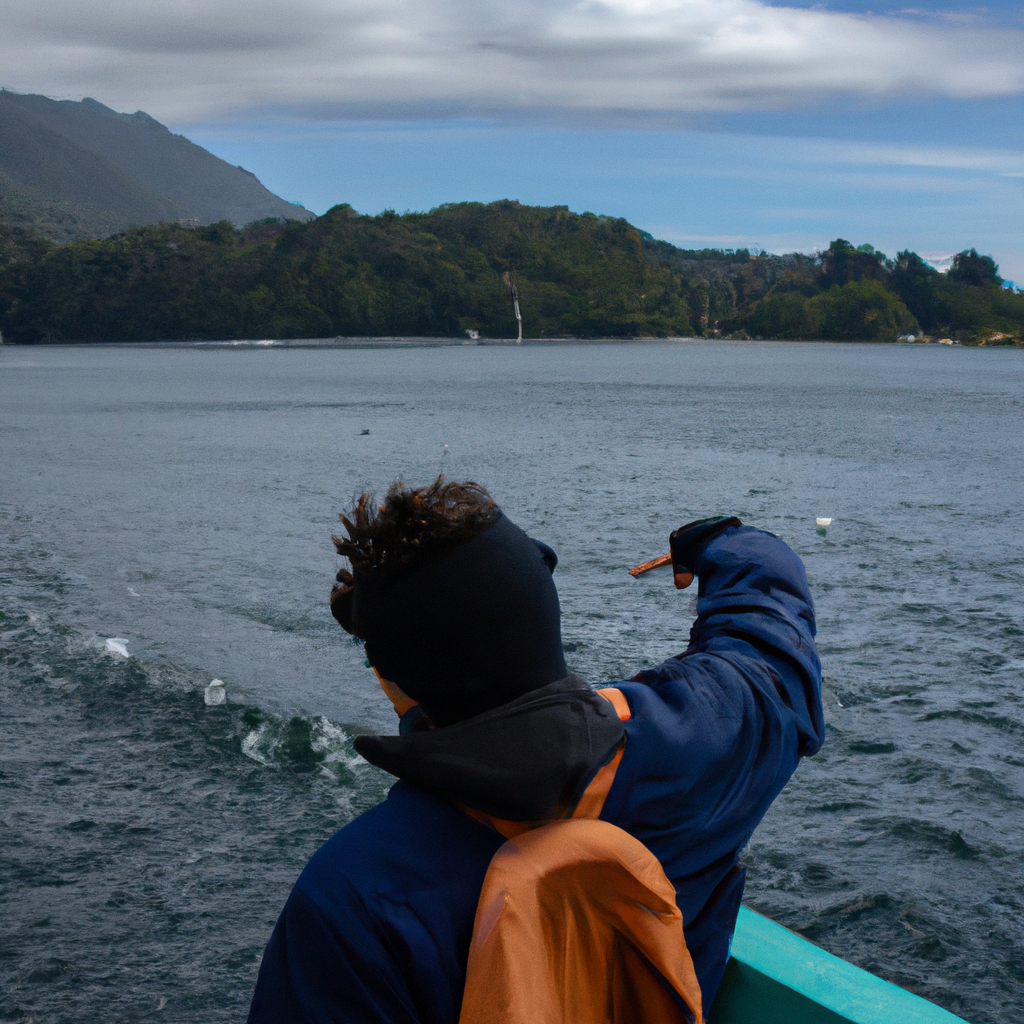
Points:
(718, 730)
(753, 599)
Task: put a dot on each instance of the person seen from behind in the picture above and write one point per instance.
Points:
(551, 851)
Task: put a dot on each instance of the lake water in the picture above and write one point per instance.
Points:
(182, 500)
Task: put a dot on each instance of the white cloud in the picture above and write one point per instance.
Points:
(189, 61)
(1003, 163)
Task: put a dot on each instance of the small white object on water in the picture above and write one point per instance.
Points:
(214, 694)
(116, 645)
(820, 521)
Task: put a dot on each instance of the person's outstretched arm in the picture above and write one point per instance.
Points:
(717, 731)
(753, 589)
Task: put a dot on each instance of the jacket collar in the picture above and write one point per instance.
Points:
(528, 760)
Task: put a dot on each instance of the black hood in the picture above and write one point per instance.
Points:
(470, 628)
(528, 760)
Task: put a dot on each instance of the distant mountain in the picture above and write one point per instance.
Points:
(81, 170)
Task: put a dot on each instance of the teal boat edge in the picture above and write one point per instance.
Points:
(775, 976)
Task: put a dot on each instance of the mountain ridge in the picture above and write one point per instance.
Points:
(73, 170)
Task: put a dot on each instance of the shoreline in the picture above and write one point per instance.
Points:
(409, 342)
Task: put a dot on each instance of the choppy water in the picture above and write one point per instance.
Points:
(183, 499)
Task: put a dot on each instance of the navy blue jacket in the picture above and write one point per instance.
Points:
(378, 926)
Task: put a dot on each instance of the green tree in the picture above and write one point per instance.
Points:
(842, 263)
(970, 268)
(861, 310)
(782, 315)
(918, 285)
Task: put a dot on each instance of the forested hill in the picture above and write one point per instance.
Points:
(441, 274)
(73, 170)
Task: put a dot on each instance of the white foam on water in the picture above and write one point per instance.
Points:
(256, 745)
(332, 741)
(262, 745)
(116, 645)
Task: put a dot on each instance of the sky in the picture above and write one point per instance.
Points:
(706, 122)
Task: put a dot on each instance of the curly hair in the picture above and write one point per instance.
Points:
(411, 523)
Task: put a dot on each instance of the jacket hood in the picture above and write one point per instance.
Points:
(470, 628)
(527, 760)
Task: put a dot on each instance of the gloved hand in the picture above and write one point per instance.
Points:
(688, 542)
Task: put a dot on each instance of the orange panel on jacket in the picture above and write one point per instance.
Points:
(577, 924)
